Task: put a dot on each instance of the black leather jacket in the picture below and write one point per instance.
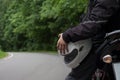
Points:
(102, 16)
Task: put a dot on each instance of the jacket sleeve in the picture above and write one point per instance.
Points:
(99, 15)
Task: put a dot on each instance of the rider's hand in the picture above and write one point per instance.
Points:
(61, 45)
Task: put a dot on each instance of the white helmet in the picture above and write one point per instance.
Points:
(77, 51)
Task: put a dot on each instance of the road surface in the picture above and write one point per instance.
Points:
(32, 66)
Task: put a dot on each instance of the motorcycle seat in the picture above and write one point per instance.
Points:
(110, 38)
(113, 35)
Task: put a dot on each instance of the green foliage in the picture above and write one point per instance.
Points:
(35, 24)
(3, 54)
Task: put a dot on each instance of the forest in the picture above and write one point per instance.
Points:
(34, 25)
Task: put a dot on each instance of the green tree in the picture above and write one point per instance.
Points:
(35, 24)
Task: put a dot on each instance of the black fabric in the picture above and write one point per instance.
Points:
(102, 15)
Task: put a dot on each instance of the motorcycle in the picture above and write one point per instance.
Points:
(108, 55)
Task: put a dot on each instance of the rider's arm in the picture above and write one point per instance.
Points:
(100, 14)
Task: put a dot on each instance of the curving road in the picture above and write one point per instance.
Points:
(32, 66)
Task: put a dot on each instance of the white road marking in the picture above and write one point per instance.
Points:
(10, 55)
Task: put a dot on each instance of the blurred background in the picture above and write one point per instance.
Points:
(33, 25)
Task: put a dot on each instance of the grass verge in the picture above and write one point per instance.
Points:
(3, 54)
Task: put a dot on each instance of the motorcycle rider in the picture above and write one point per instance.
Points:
(102, 16)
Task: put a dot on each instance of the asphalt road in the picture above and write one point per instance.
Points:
(32, 66)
